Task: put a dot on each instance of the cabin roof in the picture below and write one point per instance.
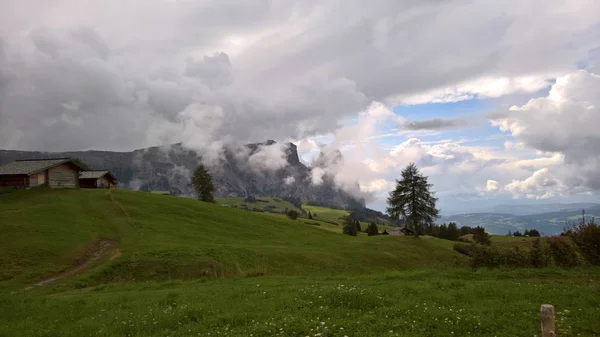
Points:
(95, 174)
(31, 166)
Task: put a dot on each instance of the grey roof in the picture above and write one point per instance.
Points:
(95, 174)
(91, 174)
(30, 166)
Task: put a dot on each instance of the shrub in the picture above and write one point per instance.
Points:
(372, 229)
(292, 214)
(587, 238)
(539, 256)
(514, 257)
(250, 199)
(564, 252)
(462, 248)
(481, 237)
(482, 256)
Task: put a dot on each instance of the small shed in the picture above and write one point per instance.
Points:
(407, 231)
(55, 173)
(97, 179)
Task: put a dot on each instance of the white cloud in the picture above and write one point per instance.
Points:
(490, 87)
(269, 158)
(275, 70)
(492, 186)
(564, 125)
(540, 185)
(289, 180)
(317, 174)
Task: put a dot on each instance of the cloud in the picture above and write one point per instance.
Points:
(123, 77)
(269, 157)
(492, 186)
(317, 174)
(564, 124)
(289, 180)
(540, 185)
(436, 124)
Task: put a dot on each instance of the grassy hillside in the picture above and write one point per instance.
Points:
(264, 204)
(165, 237)
(317, 282)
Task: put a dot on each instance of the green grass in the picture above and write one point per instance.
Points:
(412, 303)
(503, 241)
(189, 268)
(265, 204)
(327, 214)
(165, 237)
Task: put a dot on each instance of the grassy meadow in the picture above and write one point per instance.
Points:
(136, 264)
(263, 204)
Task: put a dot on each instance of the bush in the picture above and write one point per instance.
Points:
(292, 214)
(539, 256)
(462, 248)
(481, 237)
(482, 256)
(564, 252)
(587, 237)
(514, 257)
(372, 229)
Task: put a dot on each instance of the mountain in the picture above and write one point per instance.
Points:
(548, 223)
(258, 169)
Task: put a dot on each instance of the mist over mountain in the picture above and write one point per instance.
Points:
(258, 169)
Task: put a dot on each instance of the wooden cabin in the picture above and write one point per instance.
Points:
(55, 173)
(97, 179)
(407, 231)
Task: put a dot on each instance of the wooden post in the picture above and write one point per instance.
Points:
(547, 316)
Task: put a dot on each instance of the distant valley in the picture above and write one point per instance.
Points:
(526, 217)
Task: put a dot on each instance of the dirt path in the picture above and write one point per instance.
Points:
(102, 248)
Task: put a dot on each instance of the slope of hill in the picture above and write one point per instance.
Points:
(165, 237)
(260, 204)
(548, 223)
(237, 172)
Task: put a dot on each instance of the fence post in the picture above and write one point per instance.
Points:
(547, 317)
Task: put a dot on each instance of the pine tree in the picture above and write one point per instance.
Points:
(412, 200)
(372, 229)
(452, 232)
(203, 185)
(309, 215)
(350, 227)
(357, 225)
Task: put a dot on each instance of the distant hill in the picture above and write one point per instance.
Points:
(548, 223)
(169, 168)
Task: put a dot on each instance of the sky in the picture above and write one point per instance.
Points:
(495, 101)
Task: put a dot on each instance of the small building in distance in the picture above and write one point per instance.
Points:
(407, 231)
(97, 179)
(55, 173)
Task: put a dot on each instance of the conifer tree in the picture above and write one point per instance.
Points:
(202, 182)
(372, 229)
(412, 200)
(350, 227)
(357, 225)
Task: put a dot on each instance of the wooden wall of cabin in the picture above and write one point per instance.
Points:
(63, 176)
(13, 181)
